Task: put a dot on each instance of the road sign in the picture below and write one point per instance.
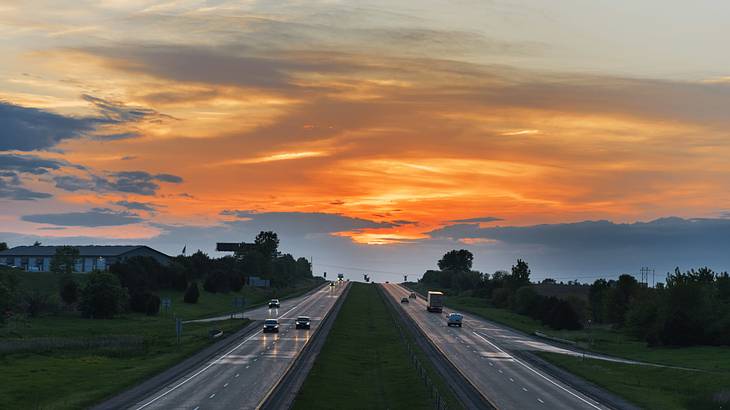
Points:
(178, 329)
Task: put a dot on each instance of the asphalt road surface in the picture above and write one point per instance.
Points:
(241, 377)
(482, 351)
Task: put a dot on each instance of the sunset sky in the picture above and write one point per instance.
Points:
(591, 138)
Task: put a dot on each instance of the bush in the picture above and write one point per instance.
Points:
(526, 301)
(102, 297)
(153, 305)
(35, 303)
(192, 294)
(501, 297)
(69, 290)
(144, 302)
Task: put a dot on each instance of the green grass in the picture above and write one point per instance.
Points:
(56, 377)
(364, 362)
(650, 387)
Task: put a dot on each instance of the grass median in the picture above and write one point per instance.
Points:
(364, 363)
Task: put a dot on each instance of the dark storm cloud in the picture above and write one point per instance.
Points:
(302, 223)
(93, 218)
(30, 164)
(10, 188)
(597, 235)
(13, 167)
(482, 219)
(137, 206)
(28, 129)
(134, 182)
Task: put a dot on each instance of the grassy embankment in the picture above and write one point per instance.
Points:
(69, 365)
(649, 387)
(364, 362)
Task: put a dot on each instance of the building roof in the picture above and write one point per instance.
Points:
(84, 251)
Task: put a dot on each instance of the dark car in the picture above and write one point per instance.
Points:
(404, 300)
(454, 319)
(271, 326)
(303, 322)
(274, 303)
(412, 295)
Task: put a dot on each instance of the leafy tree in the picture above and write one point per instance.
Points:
(526, 301)
(63, 264)
(520, 275)
(454, 260)
(36, 243)
(64, 260)
(596, 298)
(268, 244)
(8, 293)
(103, 296)
(501, 297)
(69, 290)
(35, 302)
(3, 246)
(192, 294)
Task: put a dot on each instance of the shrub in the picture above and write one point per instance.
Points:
(192, 294)
(144, 302)
(153, 305)
(102, 297)
(69, 290)
(501, 297)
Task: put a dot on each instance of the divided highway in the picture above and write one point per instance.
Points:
(482, 352)
(241, 376)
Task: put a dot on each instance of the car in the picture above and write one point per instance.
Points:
(404, 300)
(412, 295)
(271, 326)
(454, 319)
(303, 322)
(332, 284)
(274, 303)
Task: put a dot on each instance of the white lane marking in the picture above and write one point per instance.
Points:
(196, 408)
(540, 400)
(524, 389)
(238, 374)
(491, 364)
(539, 374)
(211, 396)
(208, 366)
(500, 370)
(246, 367)
(225, 385)
(197, 373)
(512, 380)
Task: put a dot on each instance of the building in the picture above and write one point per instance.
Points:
(91, 257)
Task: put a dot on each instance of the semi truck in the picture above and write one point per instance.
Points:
(435, 301)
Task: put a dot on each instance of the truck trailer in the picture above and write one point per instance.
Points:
(435, 301)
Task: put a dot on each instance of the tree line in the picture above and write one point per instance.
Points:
(133, 284)
(690, 308)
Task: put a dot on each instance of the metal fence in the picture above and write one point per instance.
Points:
(439, 403)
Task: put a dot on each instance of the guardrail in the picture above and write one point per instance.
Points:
(464, 390)
(438, 401)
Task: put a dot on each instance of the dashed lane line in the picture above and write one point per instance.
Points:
(539, 374)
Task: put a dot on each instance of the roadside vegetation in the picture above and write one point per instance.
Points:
(683, 322)
(364, 361)
(61, 349)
